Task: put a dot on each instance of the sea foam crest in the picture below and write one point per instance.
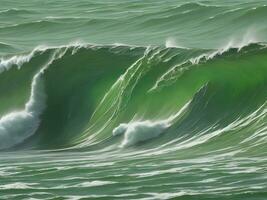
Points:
(18, 60)
(238, 43)
(7, 63)
(171, 42)
(140, 131)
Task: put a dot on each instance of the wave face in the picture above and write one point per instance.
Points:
(171, 109)
(133, 100)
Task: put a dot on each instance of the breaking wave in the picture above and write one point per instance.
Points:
(128, 96)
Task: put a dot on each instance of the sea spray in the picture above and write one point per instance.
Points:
(140, 131)
(136, 132)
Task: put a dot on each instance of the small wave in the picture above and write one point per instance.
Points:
(94, 183)
(17, 185)
(86, 184)
(5, 47)
(14, 11)
(33, 24)
(191, 6)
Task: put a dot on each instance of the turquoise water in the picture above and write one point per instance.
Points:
(133, 100)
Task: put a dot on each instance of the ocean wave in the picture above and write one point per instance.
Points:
(15, 11)
(133, 99)
(141, 77)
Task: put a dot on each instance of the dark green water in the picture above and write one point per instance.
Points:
(133, 100)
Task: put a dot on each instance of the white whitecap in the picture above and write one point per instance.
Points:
(140, 131)
(171, 42)
(15, 127)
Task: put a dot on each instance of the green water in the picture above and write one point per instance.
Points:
(133, 99)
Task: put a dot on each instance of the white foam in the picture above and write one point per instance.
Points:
(171, 42)
(7, 63)
(17, 126)
(86, 184)
(249, 37)
(238, 42)
(94, 183)
(140, 131)
(17, 185)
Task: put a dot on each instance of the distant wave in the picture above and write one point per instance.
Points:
(14, 11)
